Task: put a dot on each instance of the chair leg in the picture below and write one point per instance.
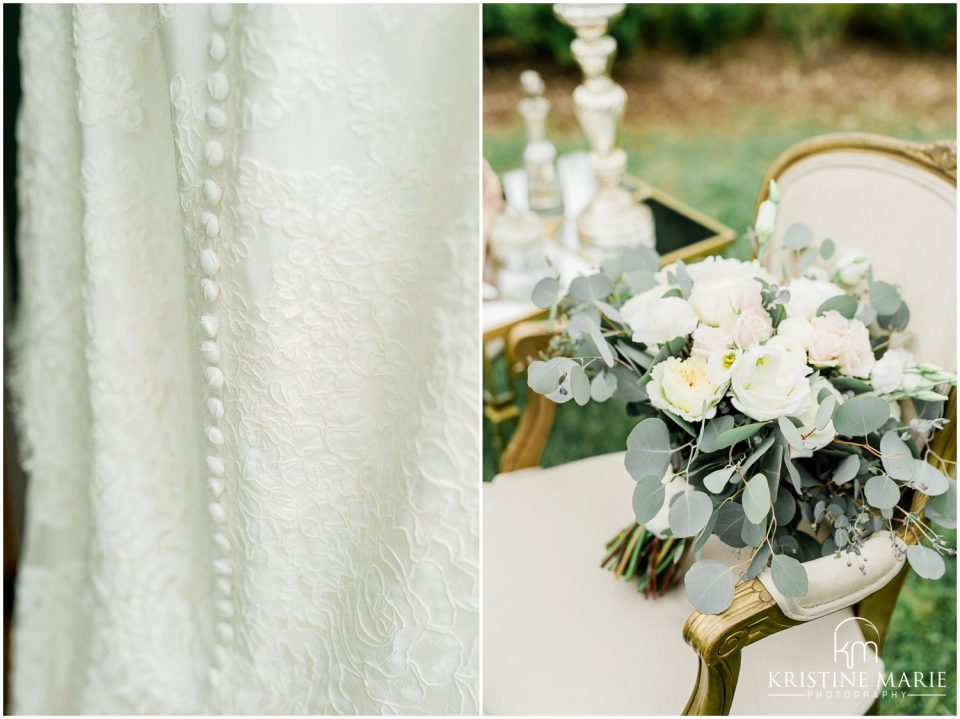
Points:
(713, 692)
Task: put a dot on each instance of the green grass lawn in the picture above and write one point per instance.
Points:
(719, 173)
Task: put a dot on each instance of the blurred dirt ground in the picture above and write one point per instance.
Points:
(847, 84)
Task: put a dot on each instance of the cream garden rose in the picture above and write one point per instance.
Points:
(768, 383)
(685, 388)
(807, 295)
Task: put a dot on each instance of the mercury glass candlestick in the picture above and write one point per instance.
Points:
(613, 220)
(540, 155)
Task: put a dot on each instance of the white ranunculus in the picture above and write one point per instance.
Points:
(768, 383)
(684, 387)
(807, 295)
(797, 329)
(752, 327)
(856, 355)
(887, 375)
(707, 340)
(816, 438)
(851, 267)
(658, 320)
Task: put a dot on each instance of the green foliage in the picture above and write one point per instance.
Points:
(699, 28)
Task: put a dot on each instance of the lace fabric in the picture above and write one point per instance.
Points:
(245, 360)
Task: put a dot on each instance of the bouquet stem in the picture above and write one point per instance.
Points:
(653, 561)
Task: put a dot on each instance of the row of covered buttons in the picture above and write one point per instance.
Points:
(218, 88)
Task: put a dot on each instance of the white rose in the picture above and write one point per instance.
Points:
(816, 273)
(793, 349)
(658, 320)
(752, 327)
(684, 387)
(707, 339)
(851, 267)
(797, 329)
(856, 355)
(719, 284)
(816, 438)
(807, 295)
(766, 218)
(826, 340)
(887, 374)
(767, 383)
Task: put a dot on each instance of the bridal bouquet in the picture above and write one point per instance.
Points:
(768, 411)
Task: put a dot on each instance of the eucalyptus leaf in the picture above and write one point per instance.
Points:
(730, 519)
(628, 385)
(717, 480)
(827, 248)
(545, 377)
(602, 387)
(590, 288)
(807, 258)
(757, 453)
(884, 298)
(928, 479)
(756, 498)
(790, 433)
(925, 561)
(898, 321)
(580, 385)
(545, 292)
(896, 456)
(752, 533)
(737, 434)
(825, 411)
(609, 310)
(689, 513)
(713, 429)
(640, 281)
(784, 508)
(797, 236)
(709, 586)
(759, 562)
(789, 576)
(648, 496)
(648, 449)
(942, 509)
(881, 492)
(794, 474)
(640, 258)
(843, 304)
(846, 470)
(859, 416)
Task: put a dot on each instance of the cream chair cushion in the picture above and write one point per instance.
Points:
(561, 636)
(902, 217)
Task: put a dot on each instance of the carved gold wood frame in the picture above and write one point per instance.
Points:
(753, 615)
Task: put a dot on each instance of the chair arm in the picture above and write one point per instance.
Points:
(527, 341)
(718, 639)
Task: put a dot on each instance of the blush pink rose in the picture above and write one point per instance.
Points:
(856, 353)
(752, 327)
(827, 338)
(707, 339)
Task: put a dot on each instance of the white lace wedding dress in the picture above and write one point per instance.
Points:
(246, 359)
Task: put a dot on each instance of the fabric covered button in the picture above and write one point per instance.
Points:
(213, 153)
(213, 377)
(221, 14)
(212, 192)
(220, 539)
(219, 651)
(215, 465)
(214, 435)
(213, 676)
(224, 585)
(210, 324)
(210, 351)
(217, 48)
(216, 512)
(209, 289)
(225, 631)
(225, 607)
(222, 566)
(211, 225)
(209, 262)
(215, 407)
(216, 486)
(218, 85)
(215, 117)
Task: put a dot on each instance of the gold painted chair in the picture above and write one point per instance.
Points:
(561, 636)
